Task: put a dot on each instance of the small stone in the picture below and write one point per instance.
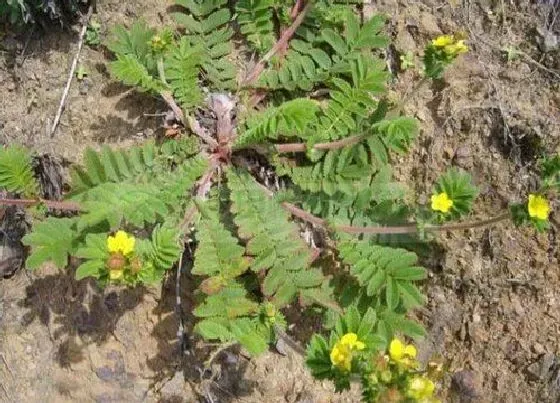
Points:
(476, 318)
(448, 151)
(174, 389)
(463, 152)
(466, 383)
(9, 44)
(281, 347)
(538, 348)
(84, 86)
(548, 41)
(429, 24)
(546, 363)
(517, 307)
(533, 371)
(105, 373)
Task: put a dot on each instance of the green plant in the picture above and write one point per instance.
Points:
(19, 12)
(314, 107)
(93, 32)
(81, 72)
(389, 372)
(407, 60)
(441, 52)
(13, 11)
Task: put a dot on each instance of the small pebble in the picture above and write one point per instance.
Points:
(466, 383)
(538, 348)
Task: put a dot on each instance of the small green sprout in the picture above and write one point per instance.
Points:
(81, 72)
(407, 60)
(93, 37)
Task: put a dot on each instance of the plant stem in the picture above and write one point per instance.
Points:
(302, 147)
(161, 70)
(280, 44)
(217, 352)
(52, 204)
(193, 124)
(203, 187)
(403, 229)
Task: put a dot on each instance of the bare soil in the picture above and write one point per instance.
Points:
(494, 306)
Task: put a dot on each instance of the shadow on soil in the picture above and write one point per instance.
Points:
(223, 379)
(76, 308)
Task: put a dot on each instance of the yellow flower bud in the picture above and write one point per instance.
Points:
(116, 274)
(116, 261)
(420, 388)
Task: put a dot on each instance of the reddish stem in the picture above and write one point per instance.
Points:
(193, 124)
(302, 147)
(403, 229)
(52, 204)
(203, 187)
(298, 6)
(278, 46)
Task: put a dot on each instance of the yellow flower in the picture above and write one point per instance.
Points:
(402, 354)
(351, 340)
(443, 40)
(121, 242)
(456, 48)
(116, 274)
(441, 202)
(420, 389)
(341, 354)
(538, 207)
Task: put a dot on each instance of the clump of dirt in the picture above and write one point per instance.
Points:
(493, 307)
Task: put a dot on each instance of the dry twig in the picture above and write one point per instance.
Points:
(71, 73)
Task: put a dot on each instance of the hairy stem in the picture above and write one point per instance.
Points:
(403, 229)
(279, 45)
(161, 70)
(203, 186)
(51, 204)
(302, 147)
(192, 123)
(379, 229)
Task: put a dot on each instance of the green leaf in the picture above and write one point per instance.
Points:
(95, 247)
(398, 133)
(90, 268)
(458, 186)
(218, 252)
(410, 294)
(133, 42)
(291, 118)
(182, 68)
(272, 239)
(392, 294)
(129, 70)
(336, 41)
(16, 171)
(51, 240)
(409, 273)
(245, 332)
(212, 330)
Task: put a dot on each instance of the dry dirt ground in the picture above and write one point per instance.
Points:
(494, 305)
